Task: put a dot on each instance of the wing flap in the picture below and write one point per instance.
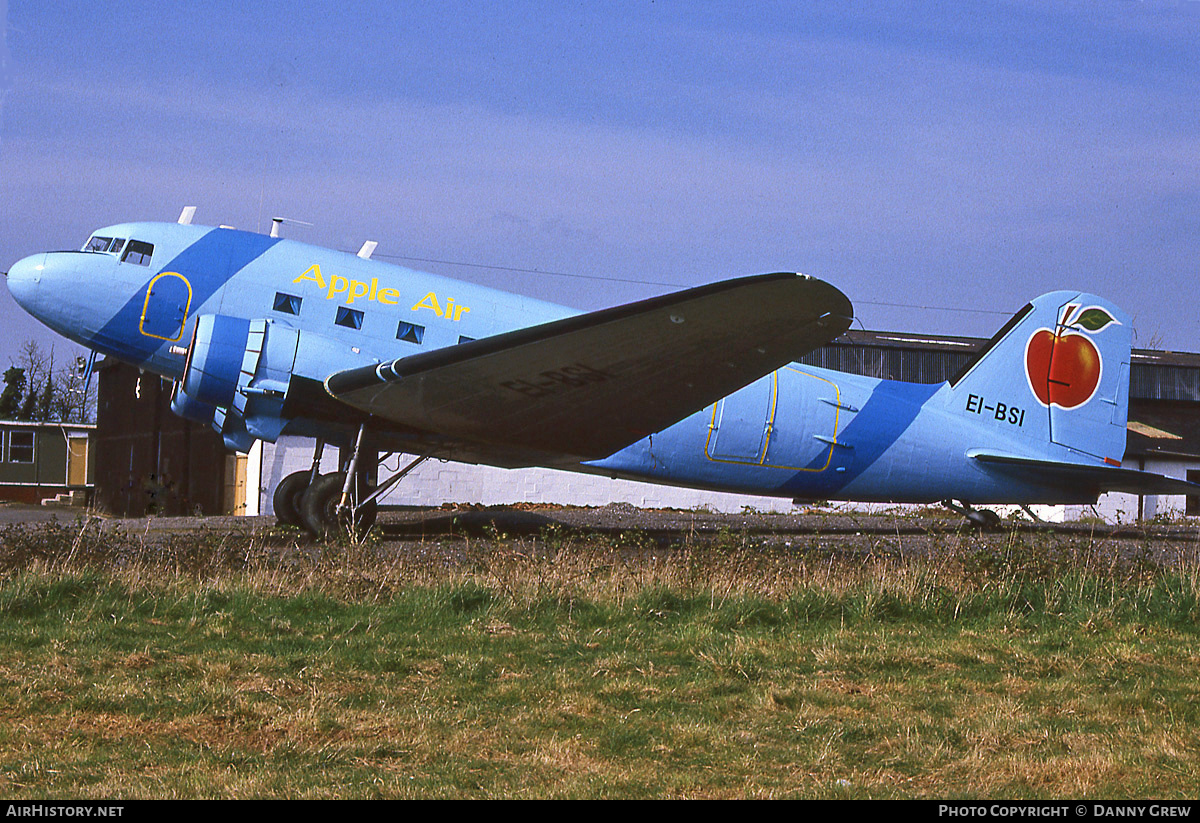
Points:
(586, 386)
(1097, 479)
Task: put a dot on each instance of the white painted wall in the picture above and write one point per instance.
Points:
(254, 479)
(436, 482)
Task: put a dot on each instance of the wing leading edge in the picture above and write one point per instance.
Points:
(587, 386)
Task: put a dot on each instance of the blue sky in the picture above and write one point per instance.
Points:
(941, 163)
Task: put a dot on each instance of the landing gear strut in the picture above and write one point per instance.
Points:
(324, 514)
(342, 502)
(980, 518)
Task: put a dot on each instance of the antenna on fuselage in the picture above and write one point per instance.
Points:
(276, 222)
(185, 216)
(368, 248)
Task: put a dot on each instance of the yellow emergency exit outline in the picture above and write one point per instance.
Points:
(770, 428)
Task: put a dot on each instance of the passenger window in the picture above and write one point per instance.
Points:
(287, 303)
(138, 253)
(410, 332)
(350, 318)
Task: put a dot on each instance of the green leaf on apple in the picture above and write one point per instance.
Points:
(1095, 319)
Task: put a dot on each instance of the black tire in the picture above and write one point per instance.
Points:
(286, 499)
(985, 519)
(318, 504)
(318, 509)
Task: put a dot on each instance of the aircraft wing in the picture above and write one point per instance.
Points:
(1094, 478)
(587, 386)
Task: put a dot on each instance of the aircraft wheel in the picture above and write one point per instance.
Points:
(318, 509)
(984, 519)
(318, 504)
(287, 498)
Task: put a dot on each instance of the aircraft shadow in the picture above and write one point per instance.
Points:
(674, 526)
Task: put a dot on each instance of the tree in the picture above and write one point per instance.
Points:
(35, 390)
(14, 390)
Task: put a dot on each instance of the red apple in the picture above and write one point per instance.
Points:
(1063, 369)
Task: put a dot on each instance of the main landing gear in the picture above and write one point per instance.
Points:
(344, 502)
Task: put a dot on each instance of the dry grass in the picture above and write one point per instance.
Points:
(564, 665)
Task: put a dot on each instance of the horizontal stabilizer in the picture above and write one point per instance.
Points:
(1096, 479)
(586, 386)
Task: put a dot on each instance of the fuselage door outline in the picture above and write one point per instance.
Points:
(787, 456)
(166, 321)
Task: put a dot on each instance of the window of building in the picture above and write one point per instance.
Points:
(350, 318)
(1192, 501)
(20, 447)
(287, 303)
(410, 332)
(138, 253)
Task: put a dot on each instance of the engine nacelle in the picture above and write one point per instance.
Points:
(239, 373)
(190, 409)
(214, 361)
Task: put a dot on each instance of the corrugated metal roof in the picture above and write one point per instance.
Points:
(931, 358)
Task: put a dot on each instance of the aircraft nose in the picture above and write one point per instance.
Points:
(24, 277)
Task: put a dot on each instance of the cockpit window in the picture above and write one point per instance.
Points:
(138, 252)
(112, 245)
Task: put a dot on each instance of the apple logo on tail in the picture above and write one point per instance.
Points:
(1063, 366)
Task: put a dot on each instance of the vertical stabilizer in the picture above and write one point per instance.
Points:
(1058, 372)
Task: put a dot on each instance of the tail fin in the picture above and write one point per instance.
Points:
(1058, 372)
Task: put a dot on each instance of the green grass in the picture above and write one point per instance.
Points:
(206, 665)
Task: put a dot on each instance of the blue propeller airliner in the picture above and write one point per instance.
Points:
(265, 336)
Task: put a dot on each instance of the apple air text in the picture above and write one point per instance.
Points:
(348, 290)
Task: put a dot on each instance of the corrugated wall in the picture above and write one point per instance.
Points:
(1147, 381)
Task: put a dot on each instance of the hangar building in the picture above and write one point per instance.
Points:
(146, 457)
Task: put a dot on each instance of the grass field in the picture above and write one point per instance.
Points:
(562, 664)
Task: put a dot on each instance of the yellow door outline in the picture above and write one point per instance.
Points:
(770, 428)
(712, 428)
(146, 305)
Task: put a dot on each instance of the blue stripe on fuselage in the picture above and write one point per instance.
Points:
(889, 411)
(207, 264)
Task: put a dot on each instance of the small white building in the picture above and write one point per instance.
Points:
(1164, 438)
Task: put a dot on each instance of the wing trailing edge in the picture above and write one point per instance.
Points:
(586, 386)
